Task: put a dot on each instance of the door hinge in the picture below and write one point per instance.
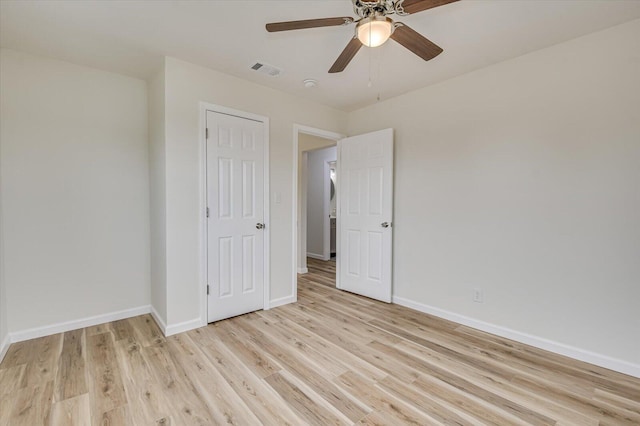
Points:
(207, 211)
(206, 133)
(207, 289)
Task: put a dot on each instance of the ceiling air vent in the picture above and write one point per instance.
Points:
(267, 69)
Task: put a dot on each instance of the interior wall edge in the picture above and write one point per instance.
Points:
(181, 327)
(573, 352)
(274, 303)
(4, 346)
(158, 319)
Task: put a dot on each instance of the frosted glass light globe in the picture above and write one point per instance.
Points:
(374, 31)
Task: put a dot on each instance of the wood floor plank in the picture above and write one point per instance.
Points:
(122, 329)
(144, 394)
(146, 330)
(301, 403)
(305, 371)
(237, 340)
(31, 406)
(266, 404)
(185, 404)
(332, 358)
(517, 410)
(105, 384)
(340, 359)
(71, 377)
(74, 411)
(423, 402)
(17, 354)
(42, 365)
(12, 379)
(224, 405)
(385, 404)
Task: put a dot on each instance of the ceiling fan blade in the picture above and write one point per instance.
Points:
(308, 23)
(415, 42)
(346, 56)
(414, 6)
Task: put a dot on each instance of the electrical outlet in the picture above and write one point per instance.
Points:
(478, 295)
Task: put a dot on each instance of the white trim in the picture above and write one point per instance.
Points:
(202, 217)
(326, 207)
(302, 215)
(159, 321)
(4, 346)
(181, 327)
(316, 256)
(297, 129)
(303, 270)
(204, 107)
(283, 301)
(267, 229)
(62, 327)
(604, 361)
(338, 207)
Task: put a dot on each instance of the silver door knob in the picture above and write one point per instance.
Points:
(385, 224)
(259, 225)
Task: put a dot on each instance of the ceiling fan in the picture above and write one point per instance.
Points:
(374, 27)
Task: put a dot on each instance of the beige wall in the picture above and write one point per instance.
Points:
(186, 86)
(522, 179)
(74, 167)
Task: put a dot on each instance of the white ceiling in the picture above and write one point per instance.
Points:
(131, 37)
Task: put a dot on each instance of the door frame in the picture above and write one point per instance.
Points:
(204, 107)
(326, 134)
(326, 207)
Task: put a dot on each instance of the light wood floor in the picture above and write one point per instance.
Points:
(331, 358)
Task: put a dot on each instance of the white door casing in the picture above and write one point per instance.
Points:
(365, 174)
(235, 175)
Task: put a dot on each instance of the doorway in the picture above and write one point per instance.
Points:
(364, 208)
(309, 144)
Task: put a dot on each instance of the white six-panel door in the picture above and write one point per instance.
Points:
(235, 200)
(365, 185)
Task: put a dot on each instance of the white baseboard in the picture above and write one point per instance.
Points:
(158, 319)
(282, 301)
(4, 346)
(61, 327)
(181, 327)
(303, 270)
(605, 361)
(316, 256)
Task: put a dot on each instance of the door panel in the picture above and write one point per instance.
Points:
(366, 203)
(235, 198)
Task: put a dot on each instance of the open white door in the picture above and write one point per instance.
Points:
(365, 173)
(235, 228)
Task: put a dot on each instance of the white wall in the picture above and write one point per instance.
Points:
(186, 86)
(523, 179)
(317, 199)
(306, 143)
(75, 193)
(157, 176)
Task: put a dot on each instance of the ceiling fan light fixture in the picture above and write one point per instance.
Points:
(374, 30)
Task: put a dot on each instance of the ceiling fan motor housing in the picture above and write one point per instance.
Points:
(365, 9)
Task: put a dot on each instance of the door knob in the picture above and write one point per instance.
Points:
(385, 224)
(259, 225)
